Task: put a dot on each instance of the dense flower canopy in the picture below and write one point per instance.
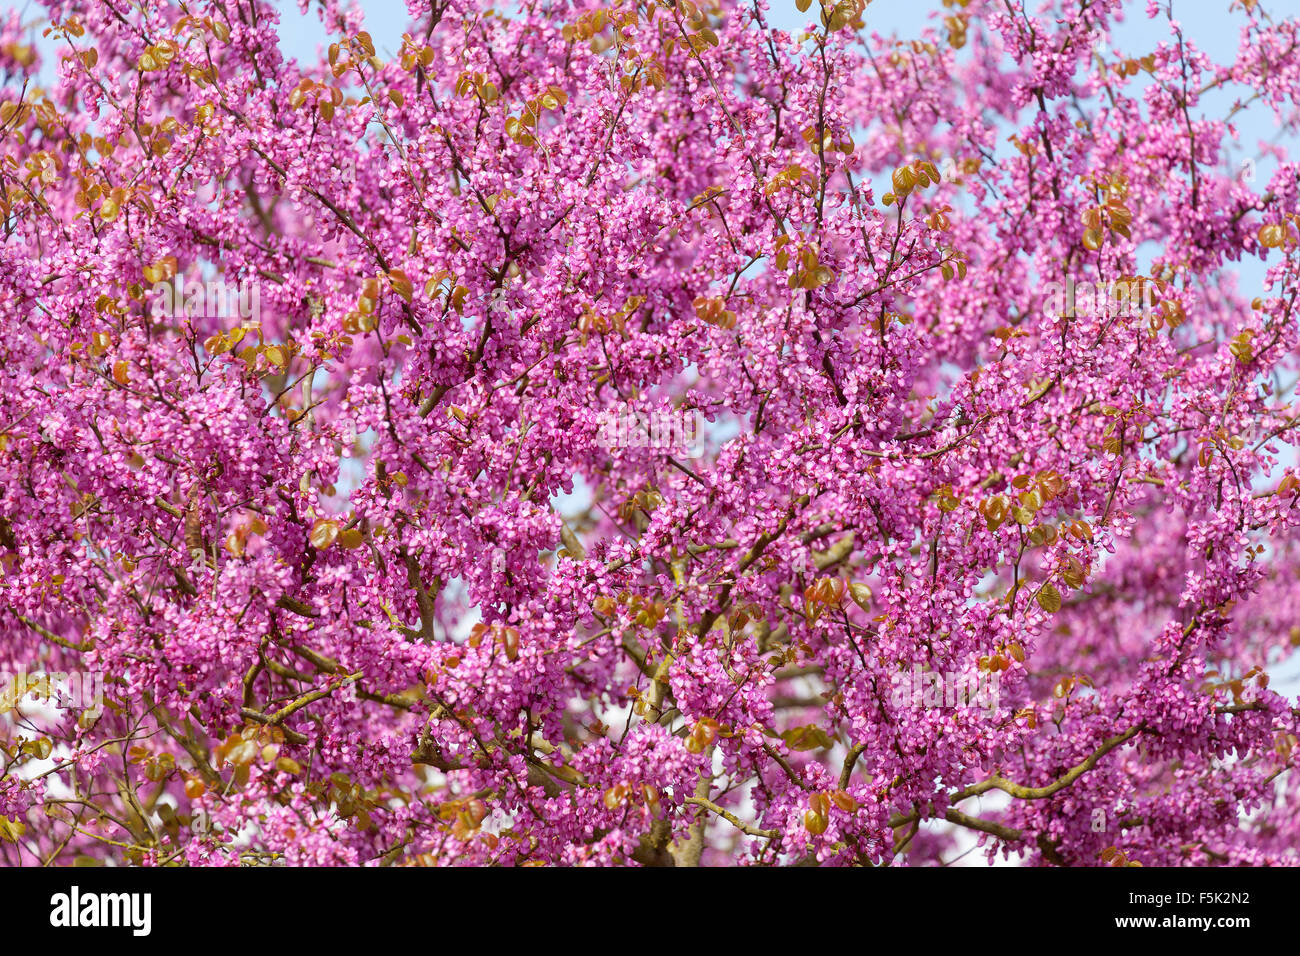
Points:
(601, 432)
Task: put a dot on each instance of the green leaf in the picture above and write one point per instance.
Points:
(810, 737)
(1049, 599)
(323, 534)
(11, 830)
(861, 595)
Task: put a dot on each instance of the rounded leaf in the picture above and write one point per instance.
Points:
(324, 533)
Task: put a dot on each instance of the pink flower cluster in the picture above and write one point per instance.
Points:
(364, 583)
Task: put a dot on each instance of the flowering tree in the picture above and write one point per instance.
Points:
(948, 492)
